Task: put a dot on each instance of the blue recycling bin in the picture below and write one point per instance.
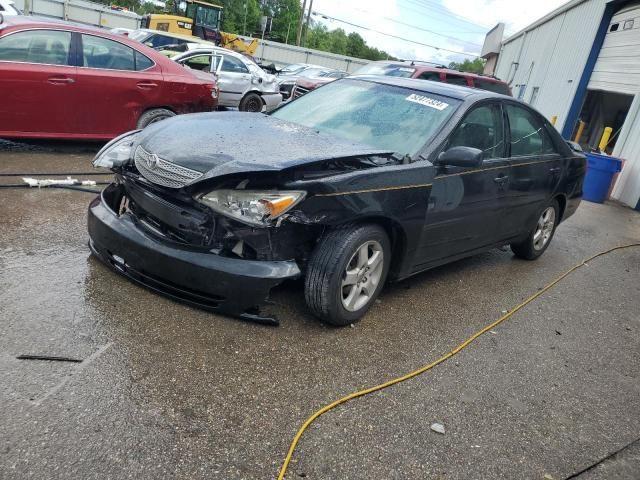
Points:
(600, 172)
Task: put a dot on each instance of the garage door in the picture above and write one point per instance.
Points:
(618, 65)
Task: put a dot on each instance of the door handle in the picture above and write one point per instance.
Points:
(147, 85)
(555, 169)
(60, 80)
(501, 180)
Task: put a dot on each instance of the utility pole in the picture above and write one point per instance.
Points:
(244, 25)
(304, 5)
(306, 27)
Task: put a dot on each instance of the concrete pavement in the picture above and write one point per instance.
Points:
(173, 392)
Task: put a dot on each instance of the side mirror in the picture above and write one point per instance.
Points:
(461, 157)
(575, 147)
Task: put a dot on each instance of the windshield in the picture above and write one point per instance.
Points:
(139, 35)
(314, 73)
(386, 69)
(295, 67)
(387, 117)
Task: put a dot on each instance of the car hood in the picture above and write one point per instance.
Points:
(223, 143)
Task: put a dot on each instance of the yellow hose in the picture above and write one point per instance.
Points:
(455, 351)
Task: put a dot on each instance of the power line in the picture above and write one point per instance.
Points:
(433, 32)
(426, 30)
(394, 36)
(437, 9)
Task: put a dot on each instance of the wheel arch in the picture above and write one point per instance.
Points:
(257, 92)
(562, 203)
(397, 237)
(157, 107)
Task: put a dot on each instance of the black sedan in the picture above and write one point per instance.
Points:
(364, 180)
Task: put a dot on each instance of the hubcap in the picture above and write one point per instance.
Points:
(544, 229)
(254, 106)
(362, 276)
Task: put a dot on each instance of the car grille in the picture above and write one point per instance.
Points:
(300, 91)
(163, 172)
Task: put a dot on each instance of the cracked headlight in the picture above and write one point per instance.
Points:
(255, 207)
(117, 152)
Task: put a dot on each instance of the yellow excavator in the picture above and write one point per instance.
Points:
(199, 19)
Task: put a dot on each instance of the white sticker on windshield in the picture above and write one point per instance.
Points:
(427, 102)
(406, 69)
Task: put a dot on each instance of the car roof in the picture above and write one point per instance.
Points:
(212, 49)
(35, 21)
(445, 89)
(19, 23)
(188, 38)
(434, 67)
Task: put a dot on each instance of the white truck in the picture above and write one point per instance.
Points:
(81, 11)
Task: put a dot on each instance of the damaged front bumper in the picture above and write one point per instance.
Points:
(232, 286)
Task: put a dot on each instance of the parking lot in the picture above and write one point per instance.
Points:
(167, 391)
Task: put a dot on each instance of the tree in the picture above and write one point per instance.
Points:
(285, 15)
(471, 66)
(356, 46)
(238, 15)
(319, 37)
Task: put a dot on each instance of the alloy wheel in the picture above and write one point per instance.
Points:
(544, 228)
(362, 276)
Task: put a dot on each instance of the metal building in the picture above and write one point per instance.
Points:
(581, 63)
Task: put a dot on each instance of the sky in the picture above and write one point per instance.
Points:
(456, 27)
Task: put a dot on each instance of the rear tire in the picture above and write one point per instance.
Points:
(153, 116)
(346, 273)
(541, 234)
(252, 102)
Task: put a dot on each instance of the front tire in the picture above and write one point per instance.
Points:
(153, 116)
(346, 273)
(252, 102)
(540, 237)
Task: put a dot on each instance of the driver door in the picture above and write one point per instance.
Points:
(466, 204)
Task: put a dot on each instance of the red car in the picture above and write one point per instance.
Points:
(60, 80)
(435, 73)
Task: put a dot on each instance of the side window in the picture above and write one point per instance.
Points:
(457, 80)
(528, 134)
(198, 62)
(481, 129)
(142, 62)
(433, 76)
(495, 87)
(156, 41)
(232, 64)
(49, 47)
(98, 52)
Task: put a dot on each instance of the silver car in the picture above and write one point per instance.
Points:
(242, 83)
(288, 75)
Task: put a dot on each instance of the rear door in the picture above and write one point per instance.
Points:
(38, 84)
(234, 80)
(537, 167)
(466, 204)
(116, 85)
